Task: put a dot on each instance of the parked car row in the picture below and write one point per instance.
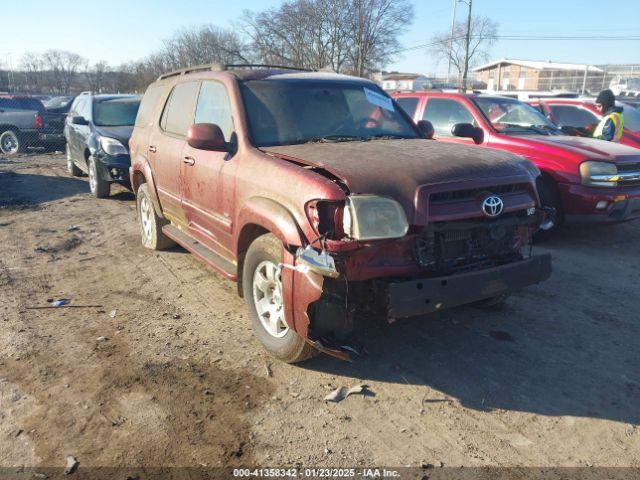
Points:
(583, 179)
(322, 197)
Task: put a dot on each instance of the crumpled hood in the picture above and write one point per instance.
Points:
(583, 147)
(122, 134)
(396, 168)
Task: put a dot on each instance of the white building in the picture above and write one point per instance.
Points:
(404, 81)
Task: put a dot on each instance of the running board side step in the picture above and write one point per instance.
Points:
(215, 261)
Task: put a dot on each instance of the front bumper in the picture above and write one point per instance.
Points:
(581, 203)
(418, 296)
(114, 168)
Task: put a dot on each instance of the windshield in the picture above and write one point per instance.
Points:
(508, 115)
(116, 112)
(633, 83)
(631, 118)
(289, 112)
(57, 102)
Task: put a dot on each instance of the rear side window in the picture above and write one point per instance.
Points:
(147, 107)
(408, 104)
(444, 113)
(214, 107)
(8, 103)
(177, 116)
(30, 104)
(568, 115)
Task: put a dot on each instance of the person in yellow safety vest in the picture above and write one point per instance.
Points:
(612, 122)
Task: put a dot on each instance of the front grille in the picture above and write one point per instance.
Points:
(630, 174)
(628, 167)
(471, 194)
(453, 247)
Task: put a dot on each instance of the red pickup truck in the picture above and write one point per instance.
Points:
(582, 114)
(583, 179)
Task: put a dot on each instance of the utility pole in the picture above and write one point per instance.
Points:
(584, 79)
(466, 50)
(10, 73)
(453, 24)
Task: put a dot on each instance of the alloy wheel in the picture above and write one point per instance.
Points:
(146, 218)
(93, 183)
(267, 298)
(10, 143)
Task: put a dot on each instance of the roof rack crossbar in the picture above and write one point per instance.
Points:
(216, 67)
(266, 65)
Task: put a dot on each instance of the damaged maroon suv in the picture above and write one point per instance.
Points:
(321, 198)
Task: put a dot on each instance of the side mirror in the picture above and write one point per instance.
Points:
(426, 128)
(78, 120)
(466, 130)
(206, 136)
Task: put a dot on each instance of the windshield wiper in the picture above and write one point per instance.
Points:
(335, 139)
(532, 128)
(386, 136)
(549, 128)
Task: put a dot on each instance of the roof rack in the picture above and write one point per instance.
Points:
(86, 92)
(216, 67)
(266, 65)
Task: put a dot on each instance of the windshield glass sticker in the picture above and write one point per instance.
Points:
(378, 100)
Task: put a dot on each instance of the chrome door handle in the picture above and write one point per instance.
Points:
(189, 161)
(152, 149)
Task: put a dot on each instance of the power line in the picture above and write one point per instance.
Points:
(530, 38)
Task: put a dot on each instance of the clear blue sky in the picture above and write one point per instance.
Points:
(123, 30)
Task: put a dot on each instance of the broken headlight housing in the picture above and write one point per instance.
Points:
(369, 217)
(599, 174)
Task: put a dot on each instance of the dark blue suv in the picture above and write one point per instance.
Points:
(97, 130)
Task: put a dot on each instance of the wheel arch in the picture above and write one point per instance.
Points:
(140, 172)
(259, 216)
(5, 127)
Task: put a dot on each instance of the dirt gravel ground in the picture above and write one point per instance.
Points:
(551, 380)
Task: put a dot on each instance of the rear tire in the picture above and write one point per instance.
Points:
(72, 168)
(11, 143)
(99, 187)
(549, 197)
(262, 289)
(150, 223)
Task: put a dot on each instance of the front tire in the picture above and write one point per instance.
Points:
(150, 223)
(99, 187)
(11, 143)
(262, 289)
(73, 170)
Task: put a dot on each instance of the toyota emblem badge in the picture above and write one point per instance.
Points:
(492, 206)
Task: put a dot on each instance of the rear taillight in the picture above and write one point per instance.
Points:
(38, 121)
(326, 218)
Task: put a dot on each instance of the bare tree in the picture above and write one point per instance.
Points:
(375, 27)
(198, 45)
(32, 66)
(97, 76)
(483, 34)
(63, 67)
(354, 36)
